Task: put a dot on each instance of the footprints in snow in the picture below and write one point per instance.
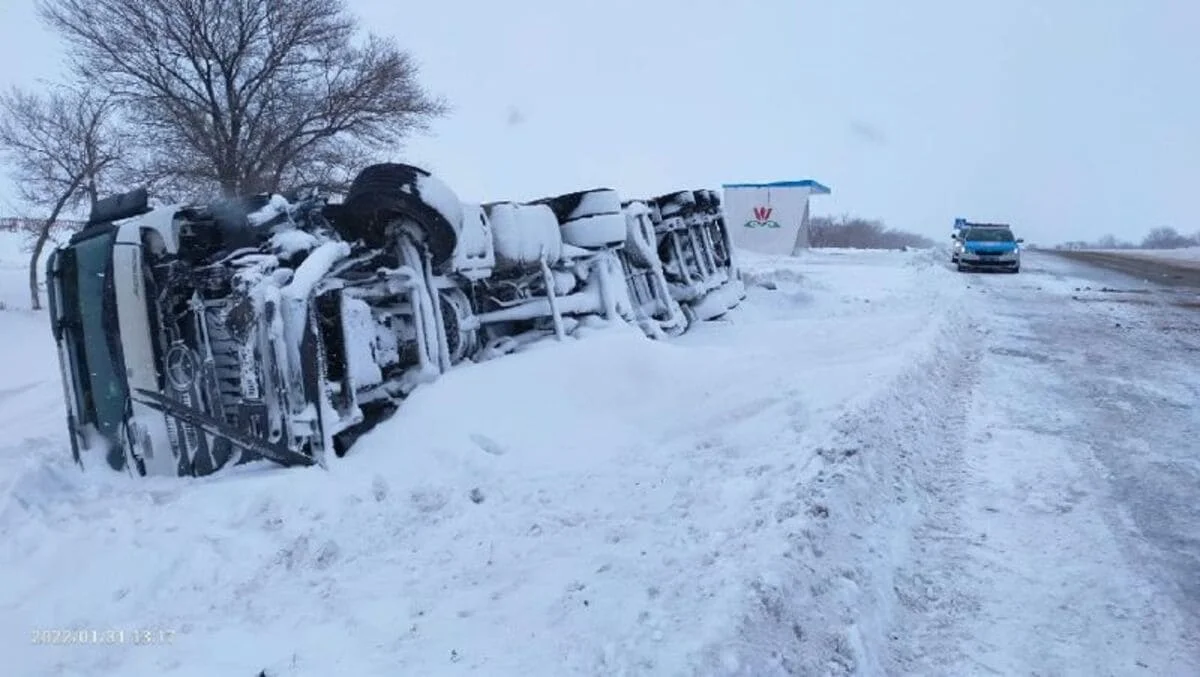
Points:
(1055, 501)
(1025, 354)
(8, 393)
(488, 445)
(837, 455)
(300, 553)
(379, 489)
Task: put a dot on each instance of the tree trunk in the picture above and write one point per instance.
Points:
(42, 236)
(40, 243)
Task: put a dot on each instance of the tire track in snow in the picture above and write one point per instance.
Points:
(1033, 534)
(830, 601)
(925, 634)
(816, 521)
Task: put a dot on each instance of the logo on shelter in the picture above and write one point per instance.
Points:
(762, 219)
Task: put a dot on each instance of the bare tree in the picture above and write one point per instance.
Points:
(1165, 237)
(59, 145)
(247, 95)
(858, 233)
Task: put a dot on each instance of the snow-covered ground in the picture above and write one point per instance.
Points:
(15, 250)
(873, 466)
(1187, 255)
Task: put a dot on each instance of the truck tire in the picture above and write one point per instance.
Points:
(681, 203)
(383, 193)
(591, 219)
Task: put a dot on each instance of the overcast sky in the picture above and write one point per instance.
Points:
(1066, 118)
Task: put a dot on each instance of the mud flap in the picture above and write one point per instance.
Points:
(274, 452)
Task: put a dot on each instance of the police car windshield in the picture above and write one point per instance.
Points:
(989, 235)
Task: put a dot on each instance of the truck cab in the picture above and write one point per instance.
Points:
(82, 308)
(142, 383)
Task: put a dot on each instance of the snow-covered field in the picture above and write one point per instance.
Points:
(15, 250)
(855, 472)
(1189, 255)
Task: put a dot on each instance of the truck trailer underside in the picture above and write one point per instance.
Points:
(196, 337)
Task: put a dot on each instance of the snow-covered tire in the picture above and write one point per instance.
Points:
(680, 203)
(522, 233)
(641, 242)
(383, 193)
(706, 200)
(714, 200)
(591, 219)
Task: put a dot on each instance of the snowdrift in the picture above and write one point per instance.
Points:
(601, 505)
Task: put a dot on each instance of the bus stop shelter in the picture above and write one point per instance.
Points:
(770, 218)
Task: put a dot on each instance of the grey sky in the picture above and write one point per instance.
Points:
(1067, 118)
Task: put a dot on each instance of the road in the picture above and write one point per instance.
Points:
(1062, 532)
(1174, 272)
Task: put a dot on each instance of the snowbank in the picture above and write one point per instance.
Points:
(606, 505)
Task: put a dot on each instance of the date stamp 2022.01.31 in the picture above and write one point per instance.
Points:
(103, 636)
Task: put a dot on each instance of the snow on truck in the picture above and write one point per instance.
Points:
(196, 337)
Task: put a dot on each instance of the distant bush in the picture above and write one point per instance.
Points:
(1167, 238)
(851, 232)
(1160, 238)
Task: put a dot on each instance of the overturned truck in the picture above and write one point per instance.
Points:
(196, 337)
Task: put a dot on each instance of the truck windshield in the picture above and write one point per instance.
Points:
(989, 235)
(89, 323)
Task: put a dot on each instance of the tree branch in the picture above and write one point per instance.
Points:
(244, 94)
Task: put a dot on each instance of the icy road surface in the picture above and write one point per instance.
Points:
(1062, 536)
(875, 466)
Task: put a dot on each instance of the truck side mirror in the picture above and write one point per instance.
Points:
(1020, 240)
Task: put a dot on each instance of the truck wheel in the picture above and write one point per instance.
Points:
(591, 219)
(680, 203)
(462, 339)
(383, 193)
